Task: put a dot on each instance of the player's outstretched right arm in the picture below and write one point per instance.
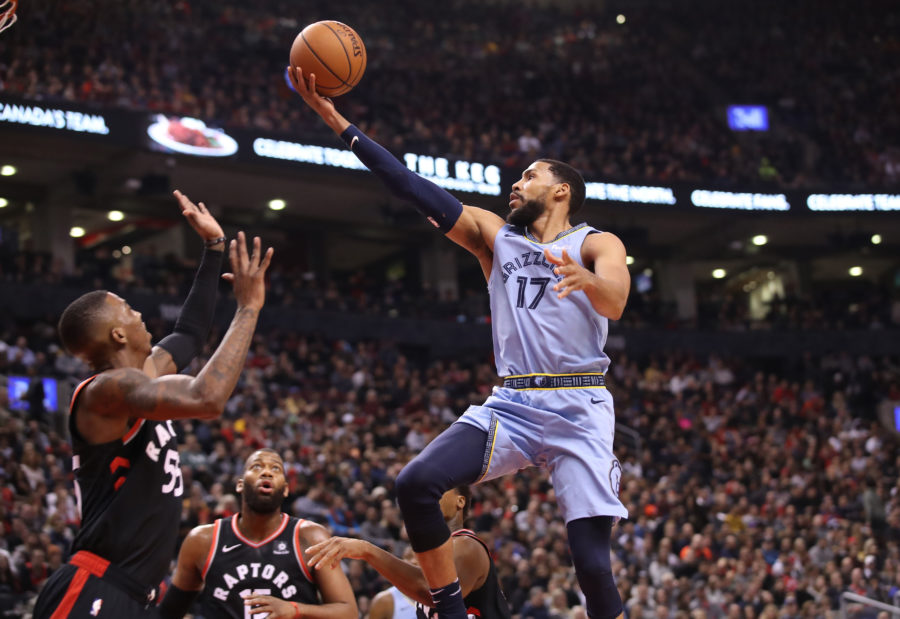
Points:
(131, 393)
(472, 228)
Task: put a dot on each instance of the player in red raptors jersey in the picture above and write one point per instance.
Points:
(478, 581)
(126, 465)
(254, 563)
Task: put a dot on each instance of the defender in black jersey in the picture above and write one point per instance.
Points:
(477, 574)
(253, 563)
(127, 471)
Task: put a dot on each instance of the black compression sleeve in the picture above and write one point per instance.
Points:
(176, 603)
(196, 317)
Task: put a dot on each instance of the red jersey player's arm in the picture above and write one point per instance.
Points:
(118, 395)
(192, 558)
(382, 606)
(338, 600)
(187, 581)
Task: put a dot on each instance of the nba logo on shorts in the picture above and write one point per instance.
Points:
(615, 476)
(95, 607)
(538, 381)
(281, 549)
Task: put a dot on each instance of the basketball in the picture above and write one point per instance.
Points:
(334, 52)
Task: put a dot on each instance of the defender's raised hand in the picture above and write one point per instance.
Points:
(249, 276)
(201, 220)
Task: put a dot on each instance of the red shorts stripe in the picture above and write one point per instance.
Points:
(68, 602)
(94, 564)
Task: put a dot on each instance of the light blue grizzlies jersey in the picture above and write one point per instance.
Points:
(534, 331)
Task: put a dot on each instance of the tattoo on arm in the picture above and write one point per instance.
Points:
(131, 392)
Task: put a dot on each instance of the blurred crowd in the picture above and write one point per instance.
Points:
(755, 489)
(637, 96)
(852, 304)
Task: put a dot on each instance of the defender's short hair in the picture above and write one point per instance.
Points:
(565, 173)
(80, 319)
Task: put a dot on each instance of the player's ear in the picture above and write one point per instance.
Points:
(460, 502)
(239, 486)
(562, 190)
(117, 335)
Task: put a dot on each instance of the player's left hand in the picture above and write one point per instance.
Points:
(200, 219)
(277, 609)
(575, 276)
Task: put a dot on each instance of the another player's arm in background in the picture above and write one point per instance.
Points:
(382, 606)
(130, 393)
(607, 285)
(470, 227)
(472, 564)
(187, 581)
(176, 350)
(338, 600)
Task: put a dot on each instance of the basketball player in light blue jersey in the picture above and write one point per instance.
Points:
(553, 287)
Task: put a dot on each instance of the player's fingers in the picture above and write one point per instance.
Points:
(202, 207)
(228, 277)
(553, 259)
(565, 293)
(243, 260)
(183, 201)
(233, 255)
(256, 256)
(267, 259)
(566, 258)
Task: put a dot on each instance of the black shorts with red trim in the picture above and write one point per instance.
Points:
(80, 592)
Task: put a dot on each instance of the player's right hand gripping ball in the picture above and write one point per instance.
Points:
(334, 53)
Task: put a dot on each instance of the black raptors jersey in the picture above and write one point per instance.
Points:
(129, 495)
(274, 566)
(487, 602)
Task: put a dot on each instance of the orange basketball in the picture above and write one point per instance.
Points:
(334, 52)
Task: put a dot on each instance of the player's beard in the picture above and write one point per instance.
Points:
(260, 503)
(526, 214)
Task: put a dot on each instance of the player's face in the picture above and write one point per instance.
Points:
(263, 485)
(132, 322)
(451, 502)
(528, 199)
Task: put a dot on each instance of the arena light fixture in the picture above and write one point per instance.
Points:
(620, 19)
(855, 271)
(3, 202)
(8, 170)
(719, 273)
(76, 232)
(760, 239)
(277, 204)
(115, 215)
(876, 239)
(629, 260)
(126, 249)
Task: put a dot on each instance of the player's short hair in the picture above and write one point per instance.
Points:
(80, 319)
(466, 493)
(261, 450)
(565, 173)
